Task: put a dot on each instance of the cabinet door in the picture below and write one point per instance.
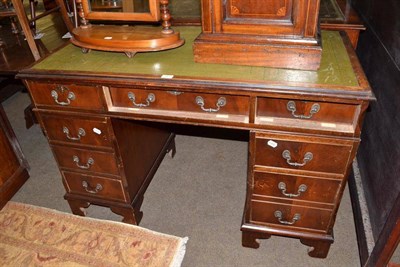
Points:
(13, 165)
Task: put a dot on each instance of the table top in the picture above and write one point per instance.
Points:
(339, 70)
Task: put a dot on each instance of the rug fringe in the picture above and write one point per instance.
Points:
(180, 253)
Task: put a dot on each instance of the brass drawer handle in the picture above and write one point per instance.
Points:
(220, 103)
(88, 189)
(282, 187)
(278, 214)
(150, 99)
(89, 163)
(307, 157)
(81, 132)
(70, 96)
(291, 106)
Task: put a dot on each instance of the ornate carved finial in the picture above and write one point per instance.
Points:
(165, 17)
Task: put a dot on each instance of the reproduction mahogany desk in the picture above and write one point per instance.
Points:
(108, 121)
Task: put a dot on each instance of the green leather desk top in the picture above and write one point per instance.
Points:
(336, 68)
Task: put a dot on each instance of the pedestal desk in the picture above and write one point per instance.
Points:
(109, 121)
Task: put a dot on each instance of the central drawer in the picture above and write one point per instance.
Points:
(86, 160)
(179, 104)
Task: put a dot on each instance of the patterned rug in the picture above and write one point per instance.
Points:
(35, 236)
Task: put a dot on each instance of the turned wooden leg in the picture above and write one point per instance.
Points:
(318, 248)
(78, 206)
(249, 239)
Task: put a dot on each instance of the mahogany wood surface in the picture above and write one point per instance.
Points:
(141, 127)
(13, 165)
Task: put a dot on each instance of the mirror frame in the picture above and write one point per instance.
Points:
(153, 15)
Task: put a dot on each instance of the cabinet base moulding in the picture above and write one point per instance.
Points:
(319, 244)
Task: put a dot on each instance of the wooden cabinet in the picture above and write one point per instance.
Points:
(13, 165)
(87, 148)
(271, 33)
(295, 184)
(304, 130)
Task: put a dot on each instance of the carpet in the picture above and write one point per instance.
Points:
(35, 236)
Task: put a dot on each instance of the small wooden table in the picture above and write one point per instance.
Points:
(110, 120)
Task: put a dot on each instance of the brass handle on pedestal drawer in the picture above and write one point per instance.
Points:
(307, 157)
(278, 214)
(282, 187)
(220, 103)
(86, 166)
(150, 99)
(291, 106)
(81, 132)
(98, 188)
(70, 96)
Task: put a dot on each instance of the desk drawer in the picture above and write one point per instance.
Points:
(66, 96)
(180, 103)
(304, 153)
(86, 160)
(94, 186)
(76, 130)
(290, 216)
(296, 187)
(307, 114)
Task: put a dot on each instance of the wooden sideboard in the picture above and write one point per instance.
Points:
(110, 120)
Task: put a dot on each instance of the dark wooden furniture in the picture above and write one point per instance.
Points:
(109, 125)
(13, 165)
(271, 33)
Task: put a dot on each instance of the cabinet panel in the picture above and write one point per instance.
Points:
(256, 9)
